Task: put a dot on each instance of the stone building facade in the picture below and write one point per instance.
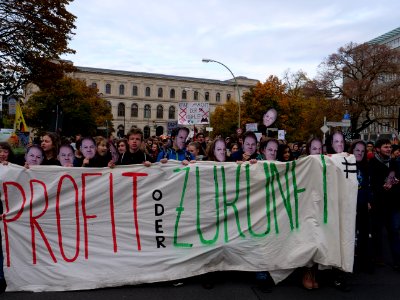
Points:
(150, 101)
(389, 126)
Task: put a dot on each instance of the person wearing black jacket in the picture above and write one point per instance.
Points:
(385, 201)
(135, 155)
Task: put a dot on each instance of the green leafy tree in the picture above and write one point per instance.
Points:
(70, 105)
(33, 35)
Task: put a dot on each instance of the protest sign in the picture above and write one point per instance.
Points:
(193, 113)
(85, 228)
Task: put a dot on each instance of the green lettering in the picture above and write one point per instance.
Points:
(325, 189)
(180, 209)
(202, 239)
(232, 204)
(270, 184)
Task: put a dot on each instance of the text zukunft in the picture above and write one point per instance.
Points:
(78, 213)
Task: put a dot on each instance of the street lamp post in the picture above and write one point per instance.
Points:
(207, 60)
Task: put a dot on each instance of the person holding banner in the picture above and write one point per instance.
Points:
(50, 144)
(122, 147)
(269, 149)
(217, 150)
(314, 146)
(249, 148)
(102, 157)
(178, 150)
(135, 154)
(34, 156)
(66, 155)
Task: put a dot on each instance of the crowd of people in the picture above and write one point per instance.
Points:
(378, 167)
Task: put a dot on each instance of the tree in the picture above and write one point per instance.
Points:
(71, 104)
(367, 78)
(224, 119)
(33, 35)
(262, 97)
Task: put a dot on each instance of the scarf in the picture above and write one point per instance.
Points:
(383, 160)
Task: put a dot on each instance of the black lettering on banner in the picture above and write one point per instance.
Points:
(158, 211)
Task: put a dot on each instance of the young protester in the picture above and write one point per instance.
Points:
(284, 153)
(385, 206)
(34, 156)
(249, 148)
(6, 153)
(50, 144)
(178, 150)
(314, 146)
(336, 143)
(202, 143)
(134, 154)
(194, 149)
(269, 149)
(101, 157)
(113, 150)
(358, 148)
(217, 150)
(122, 147)
(66, 155)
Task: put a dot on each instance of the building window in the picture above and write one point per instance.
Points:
(160, 112)
(134, 90)
(146, 132)
(121, 110)
(184, 95)
(94, 85)
(134, 110)
(121, 89)
(147, 111)
(108, 88)
(109, 105)
(196, 95)
(207, 96)
(218, 97)
(171, 112)
(228, 97)
(160, 93)
(172, 94)
(147, 92)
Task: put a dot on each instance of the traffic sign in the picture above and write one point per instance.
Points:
(324, 129)
(338, 124)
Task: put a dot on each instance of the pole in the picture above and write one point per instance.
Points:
(207, 60)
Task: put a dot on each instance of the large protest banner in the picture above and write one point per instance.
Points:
(85, 228)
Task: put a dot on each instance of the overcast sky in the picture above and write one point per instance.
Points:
(254, 38)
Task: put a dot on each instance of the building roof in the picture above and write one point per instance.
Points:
(385, 37)
(167, 77)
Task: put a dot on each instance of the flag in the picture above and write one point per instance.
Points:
(19, 123)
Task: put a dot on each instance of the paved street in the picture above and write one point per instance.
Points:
(384, 284)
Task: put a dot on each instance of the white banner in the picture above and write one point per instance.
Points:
(85, 228)
(193, 113)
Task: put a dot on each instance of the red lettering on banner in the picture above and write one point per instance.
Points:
(112, 215)
(84, 215)
(59, 218)
(135, 217)
(16, 217)
(34, 223)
